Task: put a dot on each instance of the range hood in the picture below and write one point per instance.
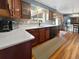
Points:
(4, 13)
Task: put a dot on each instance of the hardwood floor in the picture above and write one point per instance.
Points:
(70, 49)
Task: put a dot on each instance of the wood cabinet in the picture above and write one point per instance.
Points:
(34, 32)
(41, 35)
(20, 9)
(50, 15)
(3, 4)
(53, 31)
(75, 20)
(26, 10)
(15, 8)
(4, 8)
(47, 33)
(21, 51)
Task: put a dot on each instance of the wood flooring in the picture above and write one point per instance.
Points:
(70, 49)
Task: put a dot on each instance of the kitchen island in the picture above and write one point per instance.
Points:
(16, 44)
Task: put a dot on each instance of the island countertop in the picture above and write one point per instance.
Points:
(14, 37)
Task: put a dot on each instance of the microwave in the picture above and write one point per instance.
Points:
(5, 24)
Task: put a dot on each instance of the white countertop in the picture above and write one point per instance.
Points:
(17, 36)
(14, 37)
(34, 26)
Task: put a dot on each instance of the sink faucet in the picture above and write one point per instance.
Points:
(40, 21)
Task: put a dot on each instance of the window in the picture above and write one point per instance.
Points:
(39, 13)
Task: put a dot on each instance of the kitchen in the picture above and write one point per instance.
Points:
(32, 29)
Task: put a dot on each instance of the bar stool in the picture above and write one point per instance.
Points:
(75, 28)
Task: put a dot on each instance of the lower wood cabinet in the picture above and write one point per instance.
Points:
(34, 32)
(41, 35)
(21, 51)
(53, 32)
(44, 34)
(47, 33)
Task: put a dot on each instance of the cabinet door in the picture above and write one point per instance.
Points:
(3, 4)
(53, 32)
(42, 35)
(35, 33)
(47, 33)
(15, 8)
(4, 8)
(21, 51)
(50, 15)
(26, 10)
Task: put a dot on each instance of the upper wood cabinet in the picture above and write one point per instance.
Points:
(4, 8)
(26, 10)
(15, 8)
(75, 20)
(50, 15)
(19, 9)
(3, 4)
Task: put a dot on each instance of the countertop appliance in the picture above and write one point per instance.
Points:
(5, 24)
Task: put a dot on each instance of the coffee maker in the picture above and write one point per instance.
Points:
(5, 24)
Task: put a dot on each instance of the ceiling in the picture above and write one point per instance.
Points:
(63, 6)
